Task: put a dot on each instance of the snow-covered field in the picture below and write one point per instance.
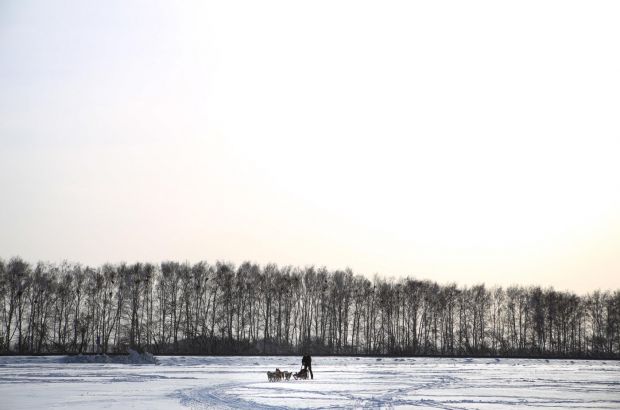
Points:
(241, 382)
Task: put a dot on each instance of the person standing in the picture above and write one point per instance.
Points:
(306, 362)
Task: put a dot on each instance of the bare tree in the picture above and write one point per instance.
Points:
(215, 309)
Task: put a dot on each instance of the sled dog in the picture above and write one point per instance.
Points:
(278, 375)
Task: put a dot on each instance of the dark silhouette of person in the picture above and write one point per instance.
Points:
(306, 362)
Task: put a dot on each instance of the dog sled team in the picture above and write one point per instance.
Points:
(302, 374)
(278, 375)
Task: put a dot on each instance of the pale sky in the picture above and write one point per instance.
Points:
(457, 141)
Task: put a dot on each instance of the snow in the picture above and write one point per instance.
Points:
(183, 382)
(132, 358)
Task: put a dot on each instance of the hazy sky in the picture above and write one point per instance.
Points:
(456, 141)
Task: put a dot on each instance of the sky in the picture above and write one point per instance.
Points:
(468, 142)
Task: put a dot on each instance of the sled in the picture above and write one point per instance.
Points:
(301, 375)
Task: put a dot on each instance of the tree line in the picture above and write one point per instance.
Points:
(201, 308)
